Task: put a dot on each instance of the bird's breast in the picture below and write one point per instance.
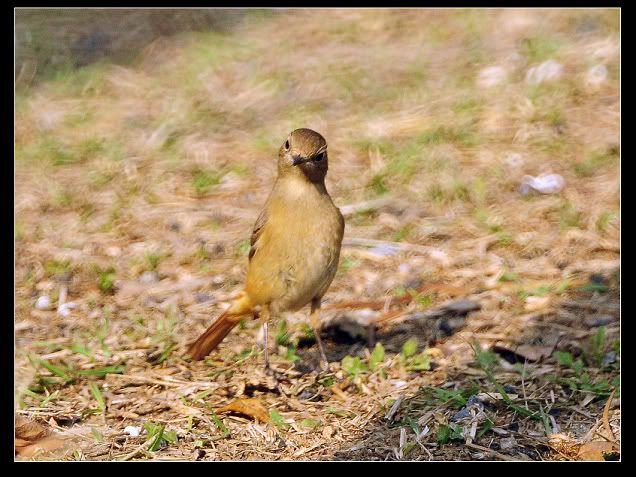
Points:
(297, 255)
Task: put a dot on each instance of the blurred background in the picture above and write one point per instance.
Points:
(478, 149)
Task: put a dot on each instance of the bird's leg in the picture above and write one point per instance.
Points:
(314, 319)
(264, 318)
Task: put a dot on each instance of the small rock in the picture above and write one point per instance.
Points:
(491, 76)
(202, 297)
(398, 383)
(473, 404)
(609, 358)
(43, 303)
(218, 280)
(596, 76)
(198, 454)
(510, 389)
(149, 277)
(547, 71)
(499, 431)
(598, 279)
(599, 320)
(404, 268)
(65, 308)
(384, 250)
(414, 283)
(133, 431)
(507, 443)
(544, 183)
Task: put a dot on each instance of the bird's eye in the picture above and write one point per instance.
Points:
(319, 157)
(287, 145)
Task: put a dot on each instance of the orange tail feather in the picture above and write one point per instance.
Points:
(219, 329)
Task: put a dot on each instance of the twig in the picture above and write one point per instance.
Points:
(606, 423)
(142, 379)
(142, 448)
(493, 452)
(394, 408)
(366, 206)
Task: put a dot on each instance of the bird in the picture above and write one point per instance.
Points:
(294, 247)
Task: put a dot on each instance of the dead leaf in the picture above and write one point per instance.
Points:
(594, 450)
(251, 407)
(606, 423)
(564, 445)
(32, 438)
(28, 430)
(46, 445)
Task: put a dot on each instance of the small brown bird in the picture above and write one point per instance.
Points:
(295, 245)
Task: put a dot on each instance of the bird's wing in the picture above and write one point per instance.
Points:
(256, 233)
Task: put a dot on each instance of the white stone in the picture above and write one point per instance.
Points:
(596, 75)
(133, 431)
(491, 76)
(544, 183)
(550, 70)
(65, 308)
(43, 303)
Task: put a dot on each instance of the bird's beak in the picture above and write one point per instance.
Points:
(299, 160)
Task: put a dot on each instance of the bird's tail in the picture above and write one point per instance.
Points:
(220, 328)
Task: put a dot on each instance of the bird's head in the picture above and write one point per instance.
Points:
(304, 152)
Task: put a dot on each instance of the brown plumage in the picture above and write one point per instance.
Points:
(295, 245)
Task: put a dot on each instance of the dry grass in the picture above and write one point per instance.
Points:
(137, 186)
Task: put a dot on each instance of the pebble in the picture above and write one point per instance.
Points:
(198, 454)
(473, 403)
(507, 443)
(384, 250)
(544, 183)
(596, 75)
(404, 268)
(491, 76)
(65, 308)
(43, 303)
(547, 71)
(149, 277)
(202, 297)
(133, 431)
(599, 320)
(609, 358)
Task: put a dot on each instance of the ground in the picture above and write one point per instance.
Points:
(467, 321)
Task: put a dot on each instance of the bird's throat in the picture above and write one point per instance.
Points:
(295, 187)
